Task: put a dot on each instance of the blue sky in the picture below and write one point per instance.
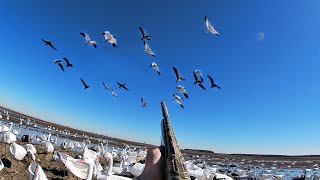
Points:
(270, 97)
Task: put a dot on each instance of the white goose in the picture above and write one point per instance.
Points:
(7, 136)
(110, 174)
(17, 151)
(178, 99)
(210, 27)
(1, 165)
(6, 128)
(88, 40)
(31, 148)
(147, 49)
(35, 170)
(48, 147)
(110, 38)
(155, 67)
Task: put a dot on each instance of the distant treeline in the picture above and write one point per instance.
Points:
(266, 155)
(198, 150)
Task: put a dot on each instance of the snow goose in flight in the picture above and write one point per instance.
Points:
(178, 75)
(84, 84)
(209, 27)
(106, 87)
(68, 63)
(197, 81)
(144, 35)
(114, 93)
(123, 86)
(155, 67)
(147, 49)
(59, 63)
(182, 90)
(110, 38)
(178, 99)
(144, 103)
(213, 85)
(88, 40)
(47, 42)
(199, 74)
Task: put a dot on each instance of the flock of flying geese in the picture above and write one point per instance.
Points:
(108, 37)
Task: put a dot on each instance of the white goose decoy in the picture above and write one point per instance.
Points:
(136, 169)
(110, 38)
(88, 40)
(147, 49)
(4, 128)
(209, 27)
(63, 145)
(155, 67)
(0, 115)
(31, 148)
(21, 120)
(110, 173)
(7, 136)
(35, 170)
(182, 90)
(1, 165)
(178, 99)
(17, 151)
(15, 132)
(48, 147)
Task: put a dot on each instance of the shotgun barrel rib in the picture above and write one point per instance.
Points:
(175, 168)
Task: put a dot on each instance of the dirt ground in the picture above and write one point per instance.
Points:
(18, 170)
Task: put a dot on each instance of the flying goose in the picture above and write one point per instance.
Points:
(144, 103)
(123, 86)
(84, 84)
(147, 49)
(178, 99)
(199, 74)
(212, 83)
(178, 75)
(114, 93)
(88, 40)
(106, 87)
(110, 38)
(197, 81)
(144, 35)
(68, 63)
(59, 63)
(182, 90)
(155, 67)
(47, 42)
(209, 27)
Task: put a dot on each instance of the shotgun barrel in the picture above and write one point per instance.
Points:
(175, 168)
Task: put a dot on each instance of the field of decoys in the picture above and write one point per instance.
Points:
(36, 149)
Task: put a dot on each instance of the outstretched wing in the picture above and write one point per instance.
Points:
(176, 72)
(142, 32)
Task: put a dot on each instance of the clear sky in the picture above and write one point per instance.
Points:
(267, 61)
